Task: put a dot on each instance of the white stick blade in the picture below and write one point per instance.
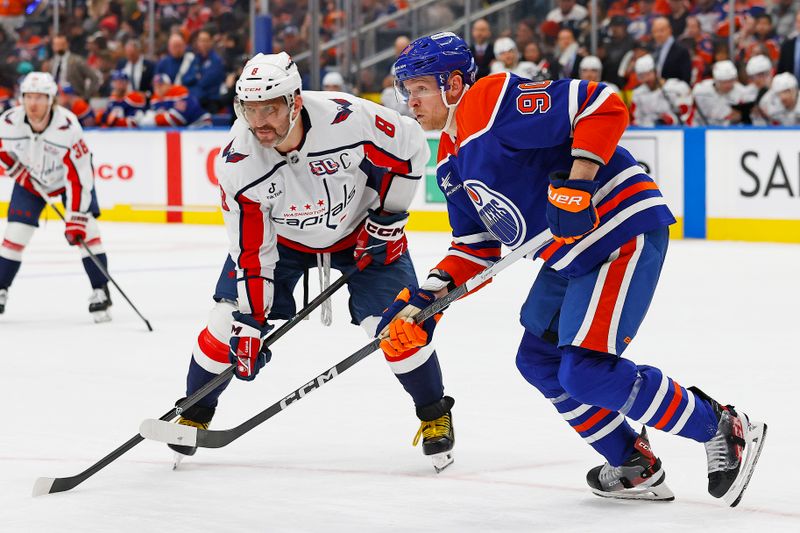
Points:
(168, 432)
(42, 486)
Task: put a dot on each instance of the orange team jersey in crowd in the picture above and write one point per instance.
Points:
(12, 8)
(120, 112)
(179, 108)
(83, 111)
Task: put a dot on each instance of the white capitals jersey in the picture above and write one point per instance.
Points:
(58, 158)
(355, 155)
(650, 107)
(713, 108)
(775, 113)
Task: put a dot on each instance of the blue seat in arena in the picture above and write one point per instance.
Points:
(221, 119)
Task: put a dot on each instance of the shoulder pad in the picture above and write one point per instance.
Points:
(176, 91)
(477, 106)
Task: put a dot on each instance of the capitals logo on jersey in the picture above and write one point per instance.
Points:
(231, 156)
(343, 111)
(499, 214)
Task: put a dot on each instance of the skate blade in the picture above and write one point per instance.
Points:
(441, 460)
(177, 458)
(655, 490)
(101, 316)
(754, 442)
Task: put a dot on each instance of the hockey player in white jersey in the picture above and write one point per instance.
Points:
(780, 105)
(722, 100)
(656, 103)
(591, 69)
(308, 179)
(759, 73)
(43, 150)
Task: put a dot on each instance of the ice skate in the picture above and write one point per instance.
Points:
(641, 477)
(733, 452)
(195, 416)
(438, 437)
(99, 303)
(3, 300)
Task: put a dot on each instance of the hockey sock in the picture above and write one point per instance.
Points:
(642, 393)
(604, 430)
(196, 378)
(8, 271)
(424, 383)
(96, 278)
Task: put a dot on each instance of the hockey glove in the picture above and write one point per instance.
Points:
(76, 227)
(570, 211)
(19, 173)
(399, 331)
(382, 239)
(246, 354)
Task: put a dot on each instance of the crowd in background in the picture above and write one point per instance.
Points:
(669, 59)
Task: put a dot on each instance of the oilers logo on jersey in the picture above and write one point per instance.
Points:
(502, 218)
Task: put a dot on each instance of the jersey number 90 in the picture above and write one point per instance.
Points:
(533, 98)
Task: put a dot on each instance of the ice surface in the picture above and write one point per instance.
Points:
(725, 318)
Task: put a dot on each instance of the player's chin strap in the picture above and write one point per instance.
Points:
(324, 270)
(451, 108)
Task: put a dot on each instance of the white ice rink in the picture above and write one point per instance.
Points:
(725, 318)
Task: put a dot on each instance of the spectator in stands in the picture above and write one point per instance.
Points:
(722, 100)
(72, 69)
(789, 60)
(123, 105)
(759, 72)
(678, 15)
(333, 81)
(568, 14)
(640, 27)
(138, 69)
(525, 33)
(616, 44)
(709, 14)
(783, 17)
(780, 105)
(481, 47)
(69, 99)
(567, 48)
(591, 69)
(179, 64)
(173, 106)
(763, 38)
(505, 50)
(672, 59)
(210, 73)
(547, 68)
(12, 16)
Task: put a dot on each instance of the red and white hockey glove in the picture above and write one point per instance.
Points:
(247, 336)
(19, 173)
(76, 227)
(382, 239)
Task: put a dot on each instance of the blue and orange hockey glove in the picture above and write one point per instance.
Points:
(247, 336)
(399, 331)
(382, 239)
(570, 211)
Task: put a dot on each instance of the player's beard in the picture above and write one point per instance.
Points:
(270, 137)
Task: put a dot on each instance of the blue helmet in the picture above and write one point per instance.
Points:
(438, 55)
(119, 75)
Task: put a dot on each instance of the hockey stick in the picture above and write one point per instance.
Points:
(170, 433)
(49, 485)
(93, 257)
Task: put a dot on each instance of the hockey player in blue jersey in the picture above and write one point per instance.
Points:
(123, 105)
(520, 160)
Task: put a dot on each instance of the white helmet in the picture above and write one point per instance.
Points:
(676, 89)
(758, 65)
(41, 83)
(268, 76)
(724, 70)
(591, 63)
(644, 64)
(504, 44)
(333, 78)
(783, 82)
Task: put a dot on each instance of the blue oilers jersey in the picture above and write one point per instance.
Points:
(512, 134)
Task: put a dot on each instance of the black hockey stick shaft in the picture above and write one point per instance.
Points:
(220, 438)
(93, 257)
(52, 485)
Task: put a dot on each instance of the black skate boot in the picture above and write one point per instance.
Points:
(99, 302)
(437, 432)
(641, 477)
(733, 452)
(3, 300)
(195, 416)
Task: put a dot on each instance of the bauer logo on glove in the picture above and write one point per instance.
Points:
(570, 211)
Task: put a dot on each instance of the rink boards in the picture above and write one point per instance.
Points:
(721, 183)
